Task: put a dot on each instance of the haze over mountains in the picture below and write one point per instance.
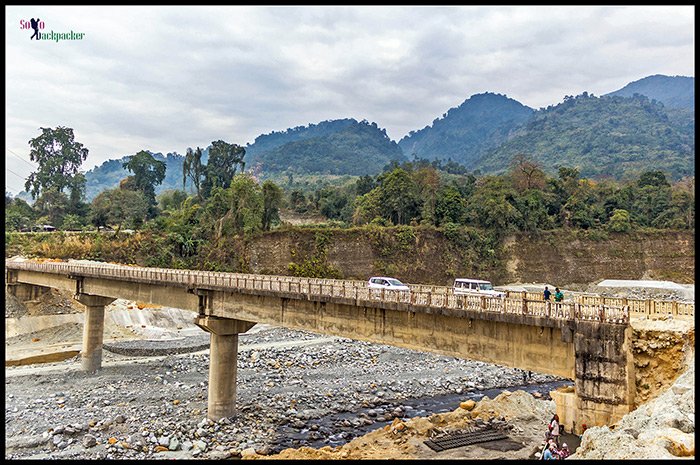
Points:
(647, 125)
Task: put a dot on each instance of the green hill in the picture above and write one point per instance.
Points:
(607, 136)
(672, 91)
(464, 133)
(611, 135)
(336, 147)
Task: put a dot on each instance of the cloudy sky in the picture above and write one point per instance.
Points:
(167, 78)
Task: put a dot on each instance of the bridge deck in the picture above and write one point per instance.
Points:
(417, 299)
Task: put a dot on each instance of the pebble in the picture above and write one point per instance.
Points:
(130, 407)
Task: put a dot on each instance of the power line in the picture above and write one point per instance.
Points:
(13, 153)
(18, 175)
(14, 189)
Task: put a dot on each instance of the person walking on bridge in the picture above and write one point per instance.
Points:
(547, 293)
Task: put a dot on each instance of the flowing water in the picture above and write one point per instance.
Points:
(336, 429)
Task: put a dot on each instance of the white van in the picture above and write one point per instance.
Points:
(475, 287)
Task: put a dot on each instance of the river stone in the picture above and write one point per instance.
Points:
(89, 441)
(248, 452)
(468, 405)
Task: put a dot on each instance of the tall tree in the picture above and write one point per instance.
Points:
(272, 200)
(192, 168)
(224, 160)
(398, 197)
(148, 173)
(59, 157)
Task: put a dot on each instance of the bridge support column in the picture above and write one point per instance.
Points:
(223, 363)
(604, 384)
(93, 330)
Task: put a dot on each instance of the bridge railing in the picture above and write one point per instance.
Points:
(651, 308)
(584, 307)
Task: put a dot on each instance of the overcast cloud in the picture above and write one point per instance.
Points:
(168, 78)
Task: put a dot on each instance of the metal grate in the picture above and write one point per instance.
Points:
(465, 438)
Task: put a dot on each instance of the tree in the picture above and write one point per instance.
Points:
(427, 182)
(272, 200)
(297, 201)
(148, 173)
(653, 178)
(620, 221)
(18, 214)
(59, 157)
(171, 200)
(244, 209)
(399, 201)
(52, 205)
(117, 206)
(451, 207)
(192, 167)
(527, 173)
(224, 159)
(491, 206)
(364, 184)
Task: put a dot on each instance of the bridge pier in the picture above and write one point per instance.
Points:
(223, 363)
(604, 385)
(93, 330)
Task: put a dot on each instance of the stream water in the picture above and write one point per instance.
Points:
(337, 429)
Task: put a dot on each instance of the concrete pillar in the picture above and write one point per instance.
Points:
(223, 363)
(604, 383)
(93, 330)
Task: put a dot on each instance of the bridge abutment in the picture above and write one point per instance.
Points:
(93, 330)
(223, 363)
(25, 292)
(604, 389)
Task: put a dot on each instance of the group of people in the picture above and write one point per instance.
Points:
(551, 448)
(558, 295)
(552, 452)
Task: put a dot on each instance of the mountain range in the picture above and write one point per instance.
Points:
(647, 125)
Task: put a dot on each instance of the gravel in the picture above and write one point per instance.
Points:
(154, 407)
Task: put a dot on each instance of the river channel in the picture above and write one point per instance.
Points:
(338, 429)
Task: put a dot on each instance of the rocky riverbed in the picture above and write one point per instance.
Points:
(154, 407)
(306, 395)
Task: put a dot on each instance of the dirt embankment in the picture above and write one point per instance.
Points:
(412, 254)
(662, 351)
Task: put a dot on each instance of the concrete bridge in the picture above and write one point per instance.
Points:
(586, 342)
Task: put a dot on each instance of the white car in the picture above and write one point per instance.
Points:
(380, 282)
(475, 287)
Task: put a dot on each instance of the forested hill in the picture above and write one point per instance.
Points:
(110, 173)
(604, 136)
(481, 122)
(332, 147)
(672, 91)
(266, 142)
